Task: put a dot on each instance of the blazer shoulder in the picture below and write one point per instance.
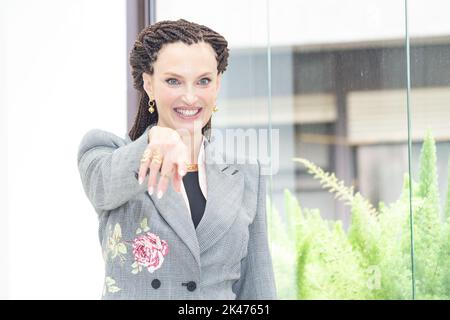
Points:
(97, 138)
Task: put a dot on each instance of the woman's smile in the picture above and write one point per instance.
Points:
(188, 113)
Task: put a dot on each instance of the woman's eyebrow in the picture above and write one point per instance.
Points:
(179, 76)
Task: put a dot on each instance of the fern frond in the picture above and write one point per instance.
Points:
(334, 185)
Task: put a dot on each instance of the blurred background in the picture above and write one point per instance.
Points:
(331, 76)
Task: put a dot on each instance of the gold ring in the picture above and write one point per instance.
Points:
(157, 159)
(146, 156)
(165, 175)
(156, 152)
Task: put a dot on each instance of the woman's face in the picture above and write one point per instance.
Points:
(184, 84)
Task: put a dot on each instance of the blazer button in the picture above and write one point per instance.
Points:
(191, 285)
(156, 283)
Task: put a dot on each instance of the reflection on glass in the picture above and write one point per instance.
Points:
(430, 133)
(340, 208)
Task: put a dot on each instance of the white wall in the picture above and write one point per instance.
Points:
(3, 165)
(64, 63)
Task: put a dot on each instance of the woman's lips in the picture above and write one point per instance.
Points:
(188, 113)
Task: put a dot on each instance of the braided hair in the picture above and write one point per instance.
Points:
(145, 52)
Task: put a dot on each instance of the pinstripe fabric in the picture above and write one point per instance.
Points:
(226, 257)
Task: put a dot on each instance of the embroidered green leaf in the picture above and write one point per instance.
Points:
(113, 289)
(115, 244)
(110, 286)
(138, 230)
(144, 225)
(117, 232)
(121, 247)
(109, 281)
(114, 252)
(136, 267)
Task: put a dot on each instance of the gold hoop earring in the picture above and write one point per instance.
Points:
(151, 104)
(215, 109)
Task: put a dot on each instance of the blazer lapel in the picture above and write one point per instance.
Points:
(174, 211)
(225, 187)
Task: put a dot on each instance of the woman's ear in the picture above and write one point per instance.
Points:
(148, 85)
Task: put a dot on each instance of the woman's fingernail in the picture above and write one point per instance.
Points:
(150, 190)
(159, 194)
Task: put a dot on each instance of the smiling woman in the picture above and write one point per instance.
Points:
(200, 55)
(184, 93)
(179, 246)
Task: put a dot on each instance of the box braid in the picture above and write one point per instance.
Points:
(145, 52)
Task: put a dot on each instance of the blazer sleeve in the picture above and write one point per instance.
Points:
(257, 280)
(108, 167)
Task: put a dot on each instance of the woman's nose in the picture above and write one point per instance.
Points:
(189, 97)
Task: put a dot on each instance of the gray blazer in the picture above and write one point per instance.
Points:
(150, 246)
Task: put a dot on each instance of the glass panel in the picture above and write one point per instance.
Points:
(338, 99)
(429, 31)
(333, 97)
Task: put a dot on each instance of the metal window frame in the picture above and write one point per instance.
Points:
(140, 13)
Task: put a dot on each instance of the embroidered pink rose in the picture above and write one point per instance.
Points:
(149, 251)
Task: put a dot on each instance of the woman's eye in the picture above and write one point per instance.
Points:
(205, 83)
(172, 83)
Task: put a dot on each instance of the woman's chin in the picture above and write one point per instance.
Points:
(189, 127)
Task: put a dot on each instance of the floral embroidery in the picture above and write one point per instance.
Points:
(110, 286)
(144, 227)
(149, 251)
(115, 245)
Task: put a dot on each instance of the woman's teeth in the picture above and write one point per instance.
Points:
(187, 112)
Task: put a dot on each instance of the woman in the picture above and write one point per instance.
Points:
(199, 232)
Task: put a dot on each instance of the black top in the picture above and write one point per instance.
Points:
(197, 201)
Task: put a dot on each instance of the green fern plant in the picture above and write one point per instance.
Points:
(373, 259)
